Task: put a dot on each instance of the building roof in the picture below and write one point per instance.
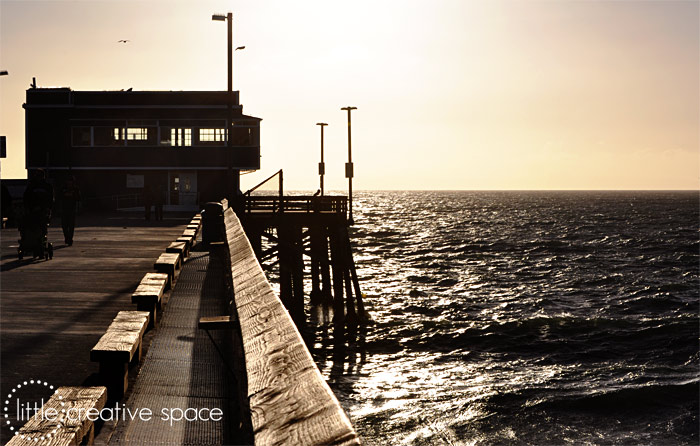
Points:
(62, 96)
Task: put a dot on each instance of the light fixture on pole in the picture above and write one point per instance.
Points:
(321, 165)
(233, 181)
(349, 170)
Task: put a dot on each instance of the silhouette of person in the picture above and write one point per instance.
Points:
(70, 197)
(147, 201)
(159, 201)
(38, 201)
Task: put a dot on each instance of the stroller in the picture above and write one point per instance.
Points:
(33, 230)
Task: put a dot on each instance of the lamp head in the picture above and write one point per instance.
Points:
(349, 108)
(321, 123)
(218, 17)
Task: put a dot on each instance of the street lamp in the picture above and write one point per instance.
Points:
(233, 181)
(348, 165)
(321, 165)
(4, 73)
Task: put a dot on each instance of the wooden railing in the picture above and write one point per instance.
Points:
(308, 204)
(289, 400)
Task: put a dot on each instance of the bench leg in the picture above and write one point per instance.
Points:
(89, 438)
(116, 378)
(170, 271)
(152, 309)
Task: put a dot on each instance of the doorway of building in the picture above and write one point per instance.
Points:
(183, 189)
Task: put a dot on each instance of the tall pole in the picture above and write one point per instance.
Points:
(321, 165)
(348, 166)
(232, 183)
(229, 19)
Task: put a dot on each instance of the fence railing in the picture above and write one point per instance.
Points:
(308, 204)
(115, 201)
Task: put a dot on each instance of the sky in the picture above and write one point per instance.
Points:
(451, 94)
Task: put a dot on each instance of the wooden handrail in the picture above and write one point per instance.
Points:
(290, 401)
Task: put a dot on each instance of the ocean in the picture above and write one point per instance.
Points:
(523, 318)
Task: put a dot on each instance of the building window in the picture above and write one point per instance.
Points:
(119, 134)
(81, 136)
(242, 136)
(137, 134)
(107, 136)
(212, 135)
(180, 137)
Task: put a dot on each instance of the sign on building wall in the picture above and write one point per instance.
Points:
(134, 181)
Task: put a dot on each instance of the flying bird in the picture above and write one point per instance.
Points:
(123, 41)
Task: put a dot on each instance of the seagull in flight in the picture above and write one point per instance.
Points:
(123, 41)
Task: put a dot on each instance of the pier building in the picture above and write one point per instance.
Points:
(122, 144)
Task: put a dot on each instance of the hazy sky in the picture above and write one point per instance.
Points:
(450, 94)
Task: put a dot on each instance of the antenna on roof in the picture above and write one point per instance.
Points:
(33, 84)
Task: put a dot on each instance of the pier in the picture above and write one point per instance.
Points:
(311, 227)
(213, 336)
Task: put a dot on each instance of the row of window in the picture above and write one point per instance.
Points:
(163, 136)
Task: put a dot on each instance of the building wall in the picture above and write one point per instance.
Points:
(118, 144)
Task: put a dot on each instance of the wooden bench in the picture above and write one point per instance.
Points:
(149, 293)
(70, 428)
(178, 248)
(117, 348)
(187, 239)
(168, 263)
(193, 227)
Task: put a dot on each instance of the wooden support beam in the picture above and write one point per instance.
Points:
(363, 316)
(337, 266)
(297, 309)
(269, 236)
(325, 266)
(316, 297)
(285, 261)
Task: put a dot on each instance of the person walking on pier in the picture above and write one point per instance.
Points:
(159, 201)
(147, 201)
(70, 197)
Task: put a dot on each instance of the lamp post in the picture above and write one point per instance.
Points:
(321, 165)
(233, 180)
(3, 140)
(348, 166)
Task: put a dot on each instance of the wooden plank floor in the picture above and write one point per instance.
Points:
(183, 370)
(53, 312)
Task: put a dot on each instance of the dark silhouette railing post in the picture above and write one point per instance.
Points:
(321, 165)
(348, 166)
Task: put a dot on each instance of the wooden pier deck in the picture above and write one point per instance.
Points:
(225, 341)
(53, 312)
